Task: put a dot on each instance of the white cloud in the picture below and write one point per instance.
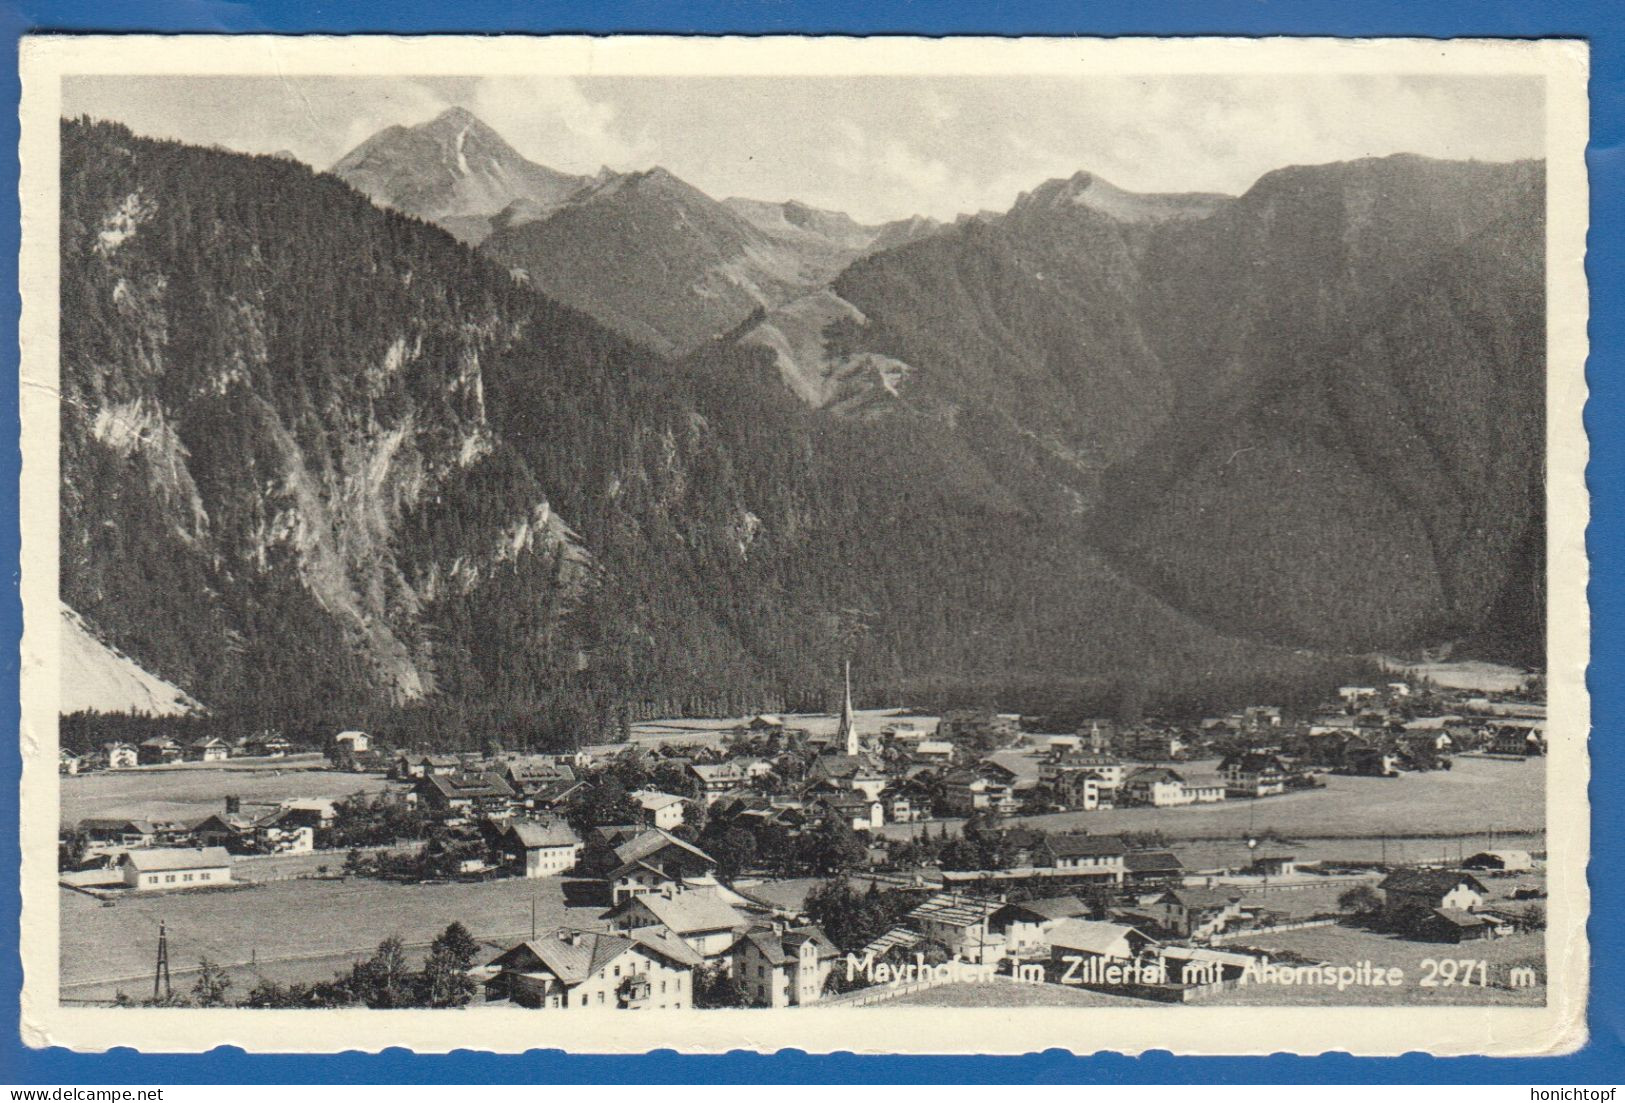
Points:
(551, 120)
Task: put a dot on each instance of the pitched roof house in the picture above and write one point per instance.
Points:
(162, 868)
(1024, 925)
(1093, 938)
(709, 925)
(1095, 855)
(786, 968)
(592, 969)
(1428, 889)
(541, 848)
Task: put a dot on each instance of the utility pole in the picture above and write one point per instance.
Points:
(160, 974)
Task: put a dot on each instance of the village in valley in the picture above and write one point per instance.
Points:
(1354, 854)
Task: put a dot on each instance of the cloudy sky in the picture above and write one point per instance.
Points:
(876, 147)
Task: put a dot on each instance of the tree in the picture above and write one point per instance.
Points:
(714, 986)
(601, 802)
(830, 846)
(355, 864)
(70, 850)
(383, 981)
(852, 919)
(445, 980)
(211, 986)
(734, 849)
(1362, 900)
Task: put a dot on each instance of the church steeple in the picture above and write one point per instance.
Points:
(848, 731)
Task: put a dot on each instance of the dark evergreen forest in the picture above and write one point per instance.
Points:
(323, 466)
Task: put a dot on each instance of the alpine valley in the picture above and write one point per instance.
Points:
(447, 437)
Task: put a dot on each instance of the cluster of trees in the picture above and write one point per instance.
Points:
(378, 819)
(385, 980)
(853, 919)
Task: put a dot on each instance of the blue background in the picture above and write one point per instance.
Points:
(1600, 22)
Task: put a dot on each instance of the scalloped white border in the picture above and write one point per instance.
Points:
(1557, 1028)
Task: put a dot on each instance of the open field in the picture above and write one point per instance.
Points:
(1350, 946)
(295, 930)
(1479, 795)
(1469, 674)
(177, 793)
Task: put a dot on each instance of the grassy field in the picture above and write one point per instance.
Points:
(1347, 945)
(196, 790)
(295, 930)
(1477, 796)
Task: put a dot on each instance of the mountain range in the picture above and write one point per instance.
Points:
(646, 253)
(644, 451)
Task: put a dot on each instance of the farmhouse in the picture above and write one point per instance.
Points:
(115, 832)
(973, 790)
(1455, 925)
(119, 756)
(464, 793)
(1428, 889)
(717, 778)
(573, 969)
(1025, 926)
(662, 809)
(654, 860)
(783, 969)
(854, 809)
(208, 749)
(1091, 855)
(961, 924)
(1500, 861)
(1273, 865)
(1157, 786)
(858, 772)
(424, 765)
(1150, 867)
(159, 869)
(266, 745)
(541, 848)
(707, 924)
(357, 743)
(69, 763)
(1087, 938)
(1253, 775)
(1197, 912)
(158, 750)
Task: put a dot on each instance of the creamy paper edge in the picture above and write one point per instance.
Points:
(1503, 1031)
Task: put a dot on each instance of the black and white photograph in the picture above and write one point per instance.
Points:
(824, 544)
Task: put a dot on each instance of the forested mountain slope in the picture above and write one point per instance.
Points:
(324, 465)
(1312, 414)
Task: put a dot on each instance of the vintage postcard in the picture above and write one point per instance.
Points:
(893, 545)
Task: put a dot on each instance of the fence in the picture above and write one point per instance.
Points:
(1253, 932)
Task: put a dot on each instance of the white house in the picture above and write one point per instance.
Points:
(707, 924)
(571, 969)
(1025, 926)
(542, 848)
(783, 969)
(157, 869)
(664, 810)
